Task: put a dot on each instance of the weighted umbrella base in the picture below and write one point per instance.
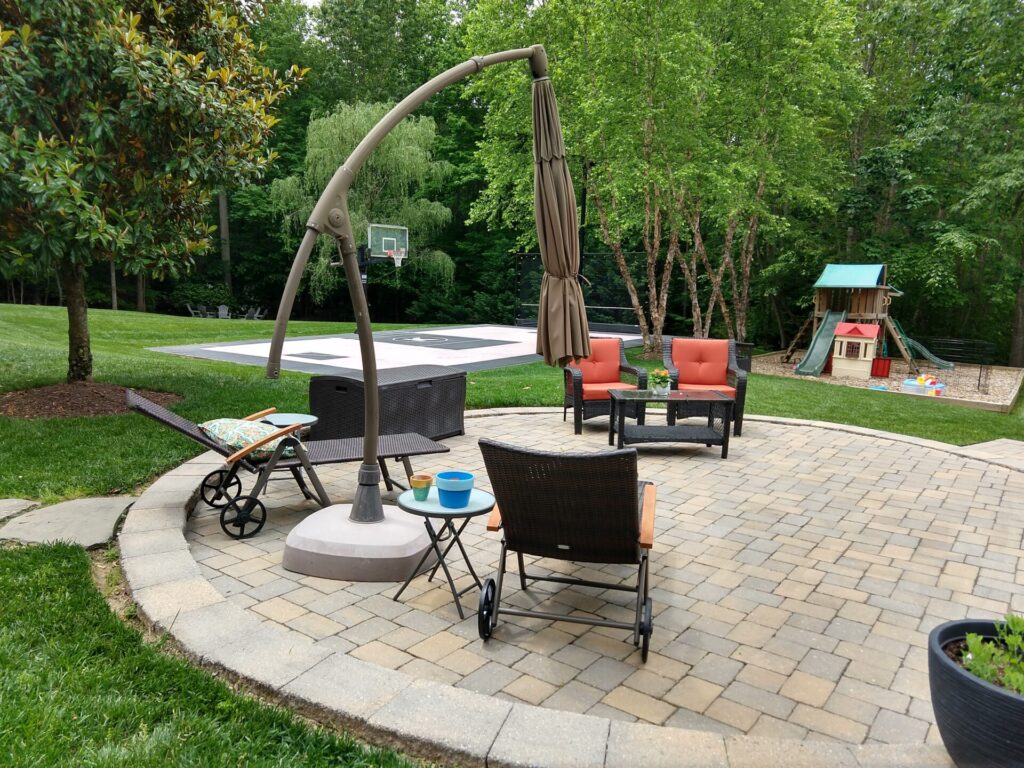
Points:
(330, 546)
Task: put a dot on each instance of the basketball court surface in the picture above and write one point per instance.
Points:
(466, 347)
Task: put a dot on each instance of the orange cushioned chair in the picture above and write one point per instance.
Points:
(706, 364)
(588, 382)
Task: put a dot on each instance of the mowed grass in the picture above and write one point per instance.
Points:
(51, 459)
(79, 687)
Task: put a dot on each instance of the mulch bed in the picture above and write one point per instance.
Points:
(85, 398)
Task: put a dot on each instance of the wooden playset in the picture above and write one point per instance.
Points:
(854, 295)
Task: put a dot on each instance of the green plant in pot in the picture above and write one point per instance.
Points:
(659, 380)
(976, 674)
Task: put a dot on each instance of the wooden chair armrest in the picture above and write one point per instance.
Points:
(260, 414)
(494, 521)
(647, 517)
(243, 452)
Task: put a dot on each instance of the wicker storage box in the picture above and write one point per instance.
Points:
(426, 399)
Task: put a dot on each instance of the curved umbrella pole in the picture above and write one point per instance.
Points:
(330, 215)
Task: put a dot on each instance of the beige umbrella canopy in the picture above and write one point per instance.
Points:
(562, 331)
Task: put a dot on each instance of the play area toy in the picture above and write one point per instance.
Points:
(857, 293)
(923, 385)
(854, 349)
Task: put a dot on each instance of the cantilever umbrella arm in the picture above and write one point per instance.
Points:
(331, 215)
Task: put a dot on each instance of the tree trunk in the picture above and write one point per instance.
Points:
(140, 292)
(658, 317)
(79, 353)
(113, 285)
(741, 302)
(1017, 336)
(778, 321)
(225, 238)
(613, 241)
(713, 274)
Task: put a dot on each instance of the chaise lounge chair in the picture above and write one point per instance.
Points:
(587, 508)
(243, 516)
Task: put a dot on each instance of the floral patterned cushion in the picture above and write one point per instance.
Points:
(238, 433)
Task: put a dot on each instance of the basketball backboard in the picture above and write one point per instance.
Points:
(384, 238)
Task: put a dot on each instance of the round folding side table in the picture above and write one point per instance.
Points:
(480, 503)
(282, 420)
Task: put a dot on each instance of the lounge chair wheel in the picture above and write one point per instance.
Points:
(211, 483)
(485, 616)
(646, 630)
(243, 517)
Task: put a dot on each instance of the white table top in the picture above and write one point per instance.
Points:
(480, 502)
(287, 419)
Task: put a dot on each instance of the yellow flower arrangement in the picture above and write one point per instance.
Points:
(659, 378)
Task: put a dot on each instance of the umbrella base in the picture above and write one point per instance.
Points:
(329, 545)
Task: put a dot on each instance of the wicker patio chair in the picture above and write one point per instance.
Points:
(587, 382)
(243, 516)
(587, 508)
(705, 364)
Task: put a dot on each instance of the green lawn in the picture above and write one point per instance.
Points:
(51, 459)
(79, 687)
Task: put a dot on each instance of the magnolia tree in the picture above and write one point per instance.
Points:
(697, 123)
(119, 119)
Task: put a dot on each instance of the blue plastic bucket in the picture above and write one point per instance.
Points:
(453, 488)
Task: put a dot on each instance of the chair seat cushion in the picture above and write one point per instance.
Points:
(600, 391)
(723, 388)
(236, 434)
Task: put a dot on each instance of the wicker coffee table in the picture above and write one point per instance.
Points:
(714, 406)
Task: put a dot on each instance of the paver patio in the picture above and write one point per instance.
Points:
(794, 585)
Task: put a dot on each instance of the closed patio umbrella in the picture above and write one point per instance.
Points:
(562, 331)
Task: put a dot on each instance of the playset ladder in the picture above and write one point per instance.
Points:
(799, 335)
(898, 338)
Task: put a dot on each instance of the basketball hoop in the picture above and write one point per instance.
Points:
(397, 255)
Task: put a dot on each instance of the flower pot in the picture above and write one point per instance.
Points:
(453, 488)
(980, 723)
(420, 484)
(661, 391)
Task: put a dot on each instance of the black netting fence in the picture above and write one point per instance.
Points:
(608, 305)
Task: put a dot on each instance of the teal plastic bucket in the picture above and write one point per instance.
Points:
(453, 488)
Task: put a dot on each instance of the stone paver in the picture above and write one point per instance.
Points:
(10, 507)
(792, 597)
(87, 522)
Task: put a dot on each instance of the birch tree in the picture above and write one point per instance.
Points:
(699, 121)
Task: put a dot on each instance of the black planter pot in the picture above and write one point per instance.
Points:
(981, 724)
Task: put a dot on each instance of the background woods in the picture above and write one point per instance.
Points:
(722, 153)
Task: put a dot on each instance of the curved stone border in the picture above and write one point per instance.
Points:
(423, 717)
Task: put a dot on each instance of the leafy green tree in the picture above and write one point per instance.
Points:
(699, 124)
(380, 50)
(388, 190)
(119, 119)
(936, 184)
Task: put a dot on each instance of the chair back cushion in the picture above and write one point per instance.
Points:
(701, 361)
(603, 364)
(578, 507)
